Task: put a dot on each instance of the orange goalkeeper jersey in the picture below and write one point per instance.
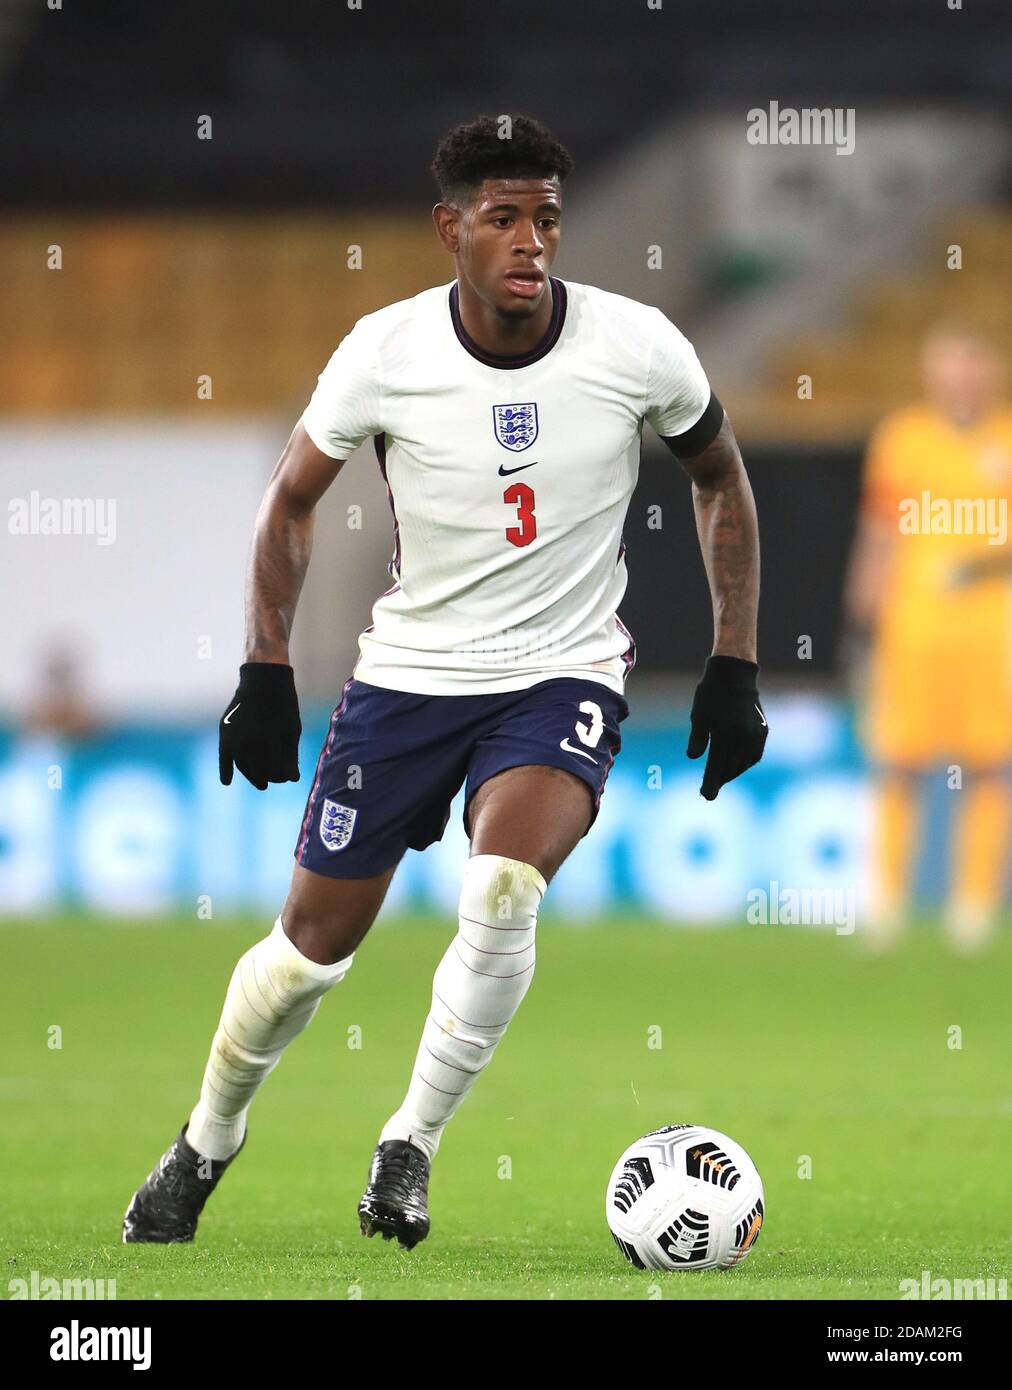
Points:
(942, 674)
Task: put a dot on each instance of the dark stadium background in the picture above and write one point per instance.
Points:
(96, 97)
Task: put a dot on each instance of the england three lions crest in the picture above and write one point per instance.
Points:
(516, 426)
(336, 824)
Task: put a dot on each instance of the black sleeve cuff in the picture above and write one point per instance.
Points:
(702, 433)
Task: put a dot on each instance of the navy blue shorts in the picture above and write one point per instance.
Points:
(393, 761)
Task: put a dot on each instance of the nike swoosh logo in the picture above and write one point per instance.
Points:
(505, 472)
(570, 749)
(761, 716)
(230, 714)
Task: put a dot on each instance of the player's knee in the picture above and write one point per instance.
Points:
(319, 936)
(298, 975)
(501, 892)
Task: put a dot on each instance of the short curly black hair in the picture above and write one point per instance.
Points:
(507, 147)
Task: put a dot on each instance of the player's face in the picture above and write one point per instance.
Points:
(506, 241)
(961, 376)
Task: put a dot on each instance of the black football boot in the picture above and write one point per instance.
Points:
(396, 1201)
(166, 1209)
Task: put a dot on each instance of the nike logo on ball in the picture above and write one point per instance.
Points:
(230, 714)
(505, 472)
(565, 743)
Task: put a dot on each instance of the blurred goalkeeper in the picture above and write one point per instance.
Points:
(930, 588)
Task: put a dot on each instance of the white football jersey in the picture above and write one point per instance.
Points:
(509, 479)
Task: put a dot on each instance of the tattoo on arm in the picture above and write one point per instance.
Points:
(729, 540)
(279, 558)
(282, 545)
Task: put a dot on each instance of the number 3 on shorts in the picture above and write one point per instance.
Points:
(590, 734)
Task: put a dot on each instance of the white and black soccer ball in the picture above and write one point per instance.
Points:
(685, 1197)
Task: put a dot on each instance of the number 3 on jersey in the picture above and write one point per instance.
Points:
(522, 496)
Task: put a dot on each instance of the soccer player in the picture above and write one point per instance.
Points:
(506, 410)
(929, 586)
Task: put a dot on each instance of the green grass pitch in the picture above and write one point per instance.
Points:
(790, 1040)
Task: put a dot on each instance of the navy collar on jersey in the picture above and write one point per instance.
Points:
(510, 361)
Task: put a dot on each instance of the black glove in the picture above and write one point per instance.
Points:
(259, 731)
(726, 711)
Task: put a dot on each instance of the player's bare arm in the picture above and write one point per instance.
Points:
(726, 712)
(282, 545)
(867, 582)
(729, 540)
(260, 729)
(868, 576)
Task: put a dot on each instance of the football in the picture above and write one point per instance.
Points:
(685, 1197)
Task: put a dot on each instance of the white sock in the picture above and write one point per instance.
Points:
(476, 990)
(274, 992)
